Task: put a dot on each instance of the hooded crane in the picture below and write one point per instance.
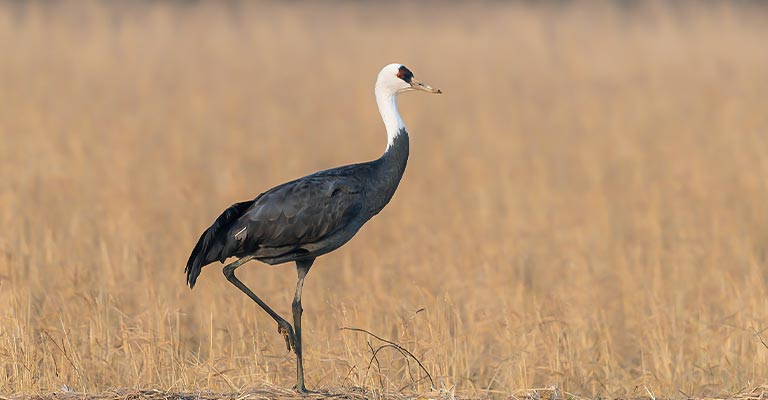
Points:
(303, 219)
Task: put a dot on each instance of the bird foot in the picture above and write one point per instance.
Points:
(303, 390)
(286, 330)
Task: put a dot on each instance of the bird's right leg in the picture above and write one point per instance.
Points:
(283, 327)
(302, 267)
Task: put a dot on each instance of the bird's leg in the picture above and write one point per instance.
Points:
(283, 327)
(302, 268)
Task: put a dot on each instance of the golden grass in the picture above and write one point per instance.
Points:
(584, 207)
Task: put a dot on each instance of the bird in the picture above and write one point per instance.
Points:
(305, 218)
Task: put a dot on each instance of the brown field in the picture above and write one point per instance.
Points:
(585, 207)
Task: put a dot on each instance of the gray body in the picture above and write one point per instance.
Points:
(305, 218)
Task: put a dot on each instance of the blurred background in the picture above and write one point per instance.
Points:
(584, 207)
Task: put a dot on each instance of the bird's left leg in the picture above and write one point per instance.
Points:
(302, 268)
(283, 327)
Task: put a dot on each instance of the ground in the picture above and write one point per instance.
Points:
(584, 206)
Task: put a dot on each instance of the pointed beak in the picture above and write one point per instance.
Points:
(416, 85)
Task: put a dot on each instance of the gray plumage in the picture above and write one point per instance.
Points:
(304, 218)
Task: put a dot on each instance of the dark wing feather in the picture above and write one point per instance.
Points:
(300, 212)
(210, 244)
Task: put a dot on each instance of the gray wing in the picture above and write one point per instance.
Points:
(300, 212)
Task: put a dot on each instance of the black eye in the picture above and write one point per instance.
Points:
(405, 74)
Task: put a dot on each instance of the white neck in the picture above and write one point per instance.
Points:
(387, 102)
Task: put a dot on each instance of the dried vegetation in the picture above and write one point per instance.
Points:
(585, 206)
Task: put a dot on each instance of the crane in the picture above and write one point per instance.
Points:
(303, 219)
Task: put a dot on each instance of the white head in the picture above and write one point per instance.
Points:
(396, 78)
(393, 80)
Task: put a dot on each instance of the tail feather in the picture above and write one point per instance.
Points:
(210, 245)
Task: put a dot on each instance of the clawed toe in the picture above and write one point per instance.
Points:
(303, 390)
(287, 332)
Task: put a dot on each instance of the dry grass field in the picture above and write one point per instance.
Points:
(586, 207)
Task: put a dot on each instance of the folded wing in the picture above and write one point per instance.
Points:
(297, 213)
